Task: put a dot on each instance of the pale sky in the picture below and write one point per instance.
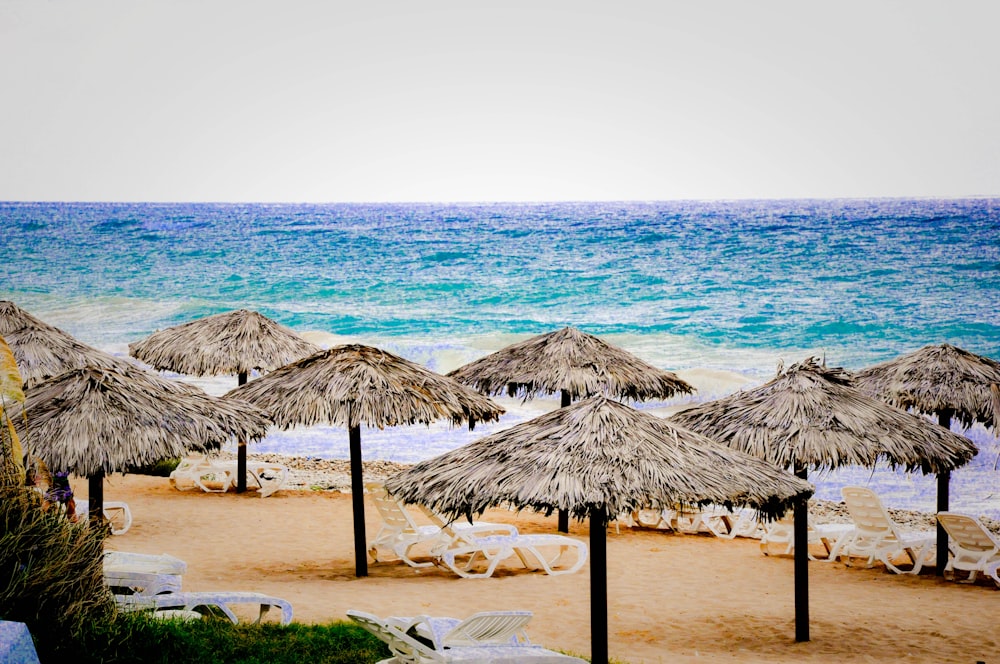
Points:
(316, 101)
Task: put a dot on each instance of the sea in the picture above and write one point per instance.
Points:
(721, 292)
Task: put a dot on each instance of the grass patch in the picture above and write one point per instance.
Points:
(139, 639)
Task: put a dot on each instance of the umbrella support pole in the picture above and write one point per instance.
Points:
(241, 449)
(943, 480)
(801, 537)
(358, 501)
(95, 500)
(598, 587)
(563, 520)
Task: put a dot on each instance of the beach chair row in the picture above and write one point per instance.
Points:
(470, 550)
(218, 476)
(148, 582)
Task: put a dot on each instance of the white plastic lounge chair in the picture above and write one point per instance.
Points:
(141, 573)
(974, 549)
(877, 537)
(780, 534)
(117, 513)
(462, 549)
(399, 532)
(218, 476)
(411, 644)
(203, 473)
(207, 600)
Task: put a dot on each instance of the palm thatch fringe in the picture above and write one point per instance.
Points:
(230, 343)
(43, 351)
(934, 380)
(572, 361)
(353, 384)
(90, 421)
(596, 453)
(811, 414)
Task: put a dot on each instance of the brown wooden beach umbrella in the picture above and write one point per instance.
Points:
(596, 458)
(356, 385)
(810, 416)
(43, 351)
(573, 363)
(93, 422)
(940, 380)
(236, 342)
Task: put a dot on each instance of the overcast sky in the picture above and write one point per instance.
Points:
(237, 100)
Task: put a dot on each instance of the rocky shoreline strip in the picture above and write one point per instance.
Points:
(316, 474)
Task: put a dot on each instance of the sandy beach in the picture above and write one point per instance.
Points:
(673, 598)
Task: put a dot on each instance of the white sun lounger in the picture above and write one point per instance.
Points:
(117, 514)
(191, 601)
(411, 645)
(974, 549)
(218, 476)
(877, 537)
(143, 574)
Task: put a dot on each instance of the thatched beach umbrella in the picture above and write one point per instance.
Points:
(810, 416)
(93, 422)
(353, 385)
(596, 458)
(43, 351)
(573, 363)
(940, 380)
(236, 342)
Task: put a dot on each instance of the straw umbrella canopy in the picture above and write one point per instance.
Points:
(93, 422)
(236, 342)
(941, 380)
(810, 415)
(596, 458)
(573, 363)
(354, 385)
(43, 351)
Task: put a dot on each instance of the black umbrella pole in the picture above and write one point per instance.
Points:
(563, 524)
(358, 500)
(598, 587)
(801, 536)
(241, 449)
(943, 480)
(95, 500)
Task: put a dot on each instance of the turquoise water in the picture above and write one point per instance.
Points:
(719, 291)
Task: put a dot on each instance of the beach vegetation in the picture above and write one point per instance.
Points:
(52, 569)
(160, 468)
(138, 638)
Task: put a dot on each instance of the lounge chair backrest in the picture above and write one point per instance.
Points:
(967, 532)
(404, 647)
(393, 514)
(869, 515)
(500, 627)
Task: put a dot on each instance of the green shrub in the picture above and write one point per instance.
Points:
(52, 569)
(161, 468)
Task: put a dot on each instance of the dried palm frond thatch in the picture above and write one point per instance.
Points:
(92, 422)
(935, 380)
(236, 342)
(812, 415)
(570, 361)
(355, 385)
(596, 454)
(596, 458)
(43, 351)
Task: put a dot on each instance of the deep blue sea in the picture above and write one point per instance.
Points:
(720, 292)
